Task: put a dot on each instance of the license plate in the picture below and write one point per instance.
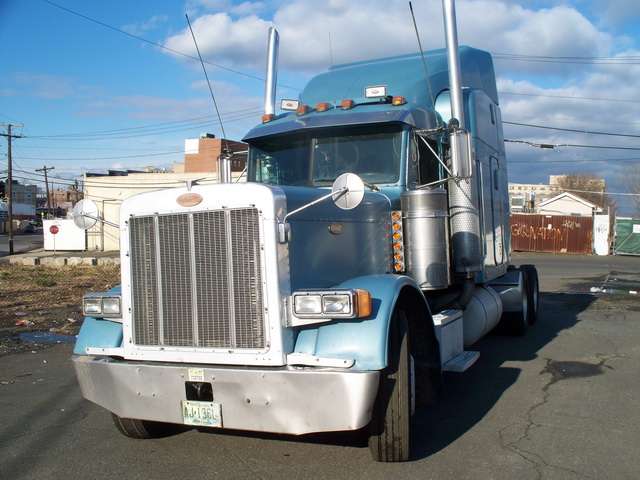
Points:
(201, 414)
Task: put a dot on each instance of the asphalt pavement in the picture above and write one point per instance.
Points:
(21, 243)
(559, 403)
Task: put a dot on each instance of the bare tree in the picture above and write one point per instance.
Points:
(632, 180)
(586, 186)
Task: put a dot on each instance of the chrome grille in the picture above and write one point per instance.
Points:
(196, 279)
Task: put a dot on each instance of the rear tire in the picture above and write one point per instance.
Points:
(531, 272)
(517, 323)
(390, 428)
(143, 429)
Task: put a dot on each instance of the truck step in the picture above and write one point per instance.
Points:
(461, 362)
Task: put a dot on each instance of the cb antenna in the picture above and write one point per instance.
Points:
(424, 61)
(225, 147)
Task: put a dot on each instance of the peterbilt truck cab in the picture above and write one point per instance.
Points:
(365, 254)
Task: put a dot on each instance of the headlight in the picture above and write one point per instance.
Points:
(307, 304)
(323, 306)
(340, 304)
(92, 306)
(95, 305)
(111, 305)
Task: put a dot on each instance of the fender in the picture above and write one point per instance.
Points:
(365, 339)
(99, 332)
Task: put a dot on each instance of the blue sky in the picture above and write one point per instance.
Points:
(63, 75)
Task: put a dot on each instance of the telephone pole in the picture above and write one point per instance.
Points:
(45, 169)
(10, 137)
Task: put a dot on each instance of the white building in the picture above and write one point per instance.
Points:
(568, 204)
(108, 192)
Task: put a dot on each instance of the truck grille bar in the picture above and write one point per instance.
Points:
(196, 279)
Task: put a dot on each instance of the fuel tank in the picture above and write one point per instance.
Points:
(426, 235)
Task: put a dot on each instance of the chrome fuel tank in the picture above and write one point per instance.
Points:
(426, 235)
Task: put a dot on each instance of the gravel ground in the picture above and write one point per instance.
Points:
(42, 299)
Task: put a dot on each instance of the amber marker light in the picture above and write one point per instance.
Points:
(363, 303)
(397, 245)
(267, 117)
(396, 101)
(347, 104)
(302, 109)
(323, 106)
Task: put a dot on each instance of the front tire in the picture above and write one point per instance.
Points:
(390, 428)
(143, 429)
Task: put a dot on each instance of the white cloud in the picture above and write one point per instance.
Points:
(150, 24)
(374, 28)
(617, 12)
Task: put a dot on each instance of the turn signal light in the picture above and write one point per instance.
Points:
(347, 104)
(323, 106)
(363, 302)
(302, 109)
(395, 101)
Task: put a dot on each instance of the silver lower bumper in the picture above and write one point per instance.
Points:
(284, 400)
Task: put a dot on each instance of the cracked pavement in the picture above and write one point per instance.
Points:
(559, 403)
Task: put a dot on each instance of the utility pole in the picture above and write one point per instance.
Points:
(10, 136)
(45, 169)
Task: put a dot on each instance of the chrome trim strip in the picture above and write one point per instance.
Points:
(156, 232)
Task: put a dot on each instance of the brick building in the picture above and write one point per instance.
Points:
(201, 154)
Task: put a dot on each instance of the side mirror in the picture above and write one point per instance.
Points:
(461, 154)
(85, 214)
(347, 191)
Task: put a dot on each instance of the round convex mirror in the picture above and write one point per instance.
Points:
(348, 191)
(85, 214)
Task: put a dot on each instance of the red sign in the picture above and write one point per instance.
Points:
(54, 229)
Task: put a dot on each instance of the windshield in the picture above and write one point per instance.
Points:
(316, 159)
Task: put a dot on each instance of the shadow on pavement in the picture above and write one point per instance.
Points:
(467, 397)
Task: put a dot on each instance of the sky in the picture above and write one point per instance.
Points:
(91, 97)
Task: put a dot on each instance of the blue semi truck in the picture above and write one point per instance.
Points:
(367, 252)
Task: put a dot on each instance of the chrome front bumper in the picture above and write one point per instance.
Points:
(291, 400)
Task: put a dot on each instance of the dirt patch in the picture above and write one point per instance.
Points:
(46, 299)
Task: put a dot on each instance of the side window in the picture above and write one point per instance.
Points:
(428, 165)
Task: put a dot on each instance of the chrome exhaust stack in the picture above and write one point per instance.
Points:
(463, 189)
(272, 73)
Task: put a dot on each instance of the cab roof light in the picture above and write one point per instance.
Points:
(302, 109)
(267, 117)
(396, 101)
(378, 91)
(323, 106)
(289, 105)
(347, 104)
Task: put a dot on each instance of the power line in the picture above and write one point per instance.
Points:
(198, 120)
(232, 117)
(589, 132)
(571, 145)
(159, 45)
(576, 160)
(571, 97)
(568, 60)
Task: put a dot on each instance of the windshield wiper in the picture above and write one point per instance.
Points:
(370, 186)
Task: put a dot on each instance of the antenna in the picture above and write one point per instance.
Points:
(225, 146)
(424, 61)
